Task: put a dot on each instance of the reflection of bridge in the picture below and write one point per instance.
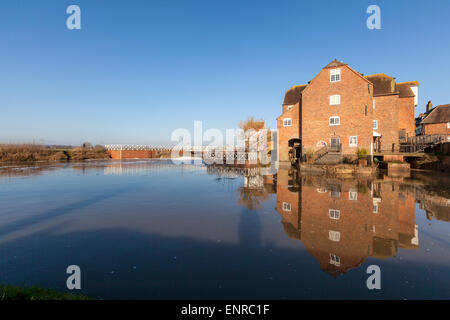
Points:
(131, 168)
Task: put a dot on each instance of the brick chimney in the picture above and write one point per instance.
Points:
(429, 106)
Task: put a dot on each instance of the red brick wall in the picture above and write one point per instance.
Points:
(386, 112)
(395, 217)
(316, 111)
(287, 133)
(293, 198)
(406, 116)
(132, 154)
(435, 128)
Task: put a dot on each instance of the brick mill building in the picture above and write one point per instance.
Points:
(437, 121)
(341, 110)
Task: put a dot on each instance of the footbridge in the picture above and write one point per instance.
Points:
(228, 154)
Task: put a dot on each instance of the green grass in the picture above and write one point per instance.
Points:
(11, 293)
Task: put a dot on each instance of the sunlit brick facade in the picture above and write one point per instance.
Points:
(341, 107)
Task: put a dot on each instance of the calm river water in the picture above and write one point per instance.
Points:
(156, 230)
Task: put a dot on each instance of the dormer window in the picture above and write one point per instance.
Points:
(335, 75)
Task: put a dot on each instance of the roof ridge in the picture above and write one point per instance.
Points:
(378, 74)
(408, 82)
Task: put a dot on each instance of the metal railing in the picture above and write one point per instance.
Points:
(428, 139)
(327, 149)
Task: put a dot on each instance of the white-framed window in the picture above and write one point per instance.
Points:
(334, 235)
(335, 194)
(286, 206)
(375, 208)
(335, 100)
(353, 141)
(335, 260)
(324, 190)
(335, 121)
(375, 124)
(287, 122)
(334, 214)
(353, 195)
(290, 107)
(448, 125)
(335, 75)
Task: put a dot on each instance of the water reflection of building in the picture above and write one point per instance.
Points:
(341, 222)
(256, 188)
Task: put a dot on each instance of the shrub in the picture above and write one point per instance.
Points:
(309, 153)
(361, 153)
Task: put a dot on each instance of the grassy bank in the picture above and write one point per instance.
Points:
(32, 153)
(10, 293)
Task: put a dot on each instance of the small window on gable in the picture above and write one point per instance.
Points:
(353, 195)
(334, 214)
(374, 104)
(375, 208)
(375, 124)
(335, 75)
(335, 121)
(287, 122)
(286, 206)
(290, 107)
(334, 236)
(323, 190)
(335, 100)
(335, 260)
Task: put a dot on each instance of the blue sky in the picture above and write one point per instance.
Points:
(139, 69)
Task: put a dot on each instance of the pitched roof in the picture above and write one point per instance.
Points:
(382, 84)
(410, 83)
(335, 63)
(440, 114)
(293, 95)
(404, 90)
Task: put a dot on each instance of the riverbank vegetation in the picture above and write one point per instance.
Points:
(33, 153)
(11, 293)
